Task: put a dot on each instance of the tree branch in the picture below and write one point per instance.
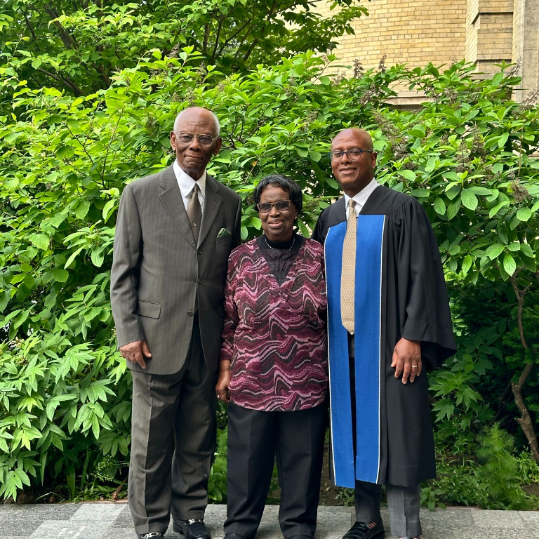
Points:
(66, 38)
(31, 29)
(220, 24)
(525, 421)
(67, 82)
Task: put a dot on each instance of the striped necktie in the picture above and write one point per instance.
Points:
(194, 212)
(348, 270)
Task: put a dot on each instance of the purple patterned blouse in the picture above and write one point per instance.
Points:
(275, 336)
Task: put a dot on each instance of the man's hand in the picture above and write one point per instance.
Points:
(407, 360)
(136, 351)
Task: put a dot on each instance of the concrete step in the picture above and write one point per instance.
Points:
(113, 520)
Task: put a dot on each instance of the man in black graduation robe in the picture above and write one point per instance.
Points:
(380, 414)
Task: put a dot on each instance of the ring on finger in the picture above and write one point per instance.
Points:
(414, 367)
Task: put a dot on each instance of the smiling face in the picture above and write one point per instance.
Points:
(194, 157)
(277, 224)
(354, 176)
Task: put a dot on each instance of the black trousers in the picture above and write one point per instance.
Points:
(296, 439)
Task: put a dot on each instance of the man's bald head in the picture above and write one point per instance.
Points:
(353, 173)
(195, 139)
(360, 134)
(200, 112)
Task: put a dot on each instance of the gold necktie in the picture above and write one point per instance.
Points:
(348, 270)
(194, 212)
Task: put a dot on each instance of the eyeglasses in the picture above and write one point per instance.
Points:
(266, 207)
(204, 140)
(354, 154)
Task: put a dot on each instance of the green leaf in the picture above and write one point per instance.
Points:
(57, 219)
(315, 156)
(509, 264)
(41, 241)
(60, 275)
(494, 251)
(421, 192)
(524, 214)
(82, 209)
(466, 265)
(497, 207)
(527, 250)
(453, 209)
(478, 190)
(408, 175)
(418, 131)
(439, 206)
(97, 257)
(469, 200)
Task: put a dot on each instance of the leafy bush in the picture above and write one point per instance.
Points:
(468, 155)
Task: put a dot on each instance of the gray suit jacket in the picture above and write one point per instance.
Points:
(159, 274)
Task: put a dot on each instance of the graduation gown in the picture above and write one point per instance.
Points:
(399, 292)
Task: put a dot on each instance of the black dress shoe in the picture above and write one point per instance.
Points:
(361, 530)
(191, 528)
(153, 535)
(233, 535)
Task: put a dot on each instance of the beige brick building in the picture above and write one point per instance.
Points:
(417, 32)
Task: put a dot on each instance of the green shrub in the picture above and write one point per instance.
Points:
(467, 155)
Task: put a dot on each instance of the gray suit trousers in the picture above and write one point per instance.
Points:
(403, 504)
(173, 442)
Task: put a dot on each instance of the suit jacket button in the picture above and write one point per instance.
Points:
(190, 313)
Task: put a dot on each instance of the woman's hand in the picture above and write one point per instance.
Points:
(222, 386)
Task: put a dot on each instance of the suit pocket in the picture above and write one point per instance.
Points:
(223, 240)
(148, 309)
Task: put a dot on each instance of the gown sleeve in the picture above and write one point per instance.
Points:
(321, 228)
(420, 277)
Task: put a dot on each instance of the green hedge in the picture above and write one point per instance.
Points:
(466, 154)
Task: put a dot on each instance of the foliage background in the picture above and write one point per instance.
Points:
(66, 154)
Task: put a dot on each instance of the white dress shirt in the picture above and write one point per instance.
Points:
(186, 184)
(361, 197)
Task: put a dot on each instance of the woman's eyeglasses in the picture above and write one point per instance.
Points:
(266, 207)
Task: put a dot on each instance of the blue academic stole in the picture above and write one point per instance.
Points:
(367, 338)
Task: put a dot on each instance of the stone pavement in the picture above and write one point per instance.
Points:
(113, 520)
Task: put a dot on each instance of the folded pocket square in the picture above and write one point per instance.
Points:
(222, 233)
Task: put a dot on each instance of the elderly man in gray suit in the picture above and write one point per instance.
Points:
(174, 233)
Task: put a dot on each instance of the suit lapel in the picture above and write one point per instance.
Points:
(212, 203)
(171, 198)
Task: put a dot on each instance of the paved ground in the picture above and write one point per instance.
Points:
(113, 520)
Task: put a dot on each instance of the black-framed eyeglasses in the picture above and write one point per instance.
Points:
(266, 207)
(204, 140)
(354, 154)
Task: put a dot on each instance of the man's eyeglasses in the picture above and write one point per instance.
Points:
(266, 207)
(354, 154)
(204, 140)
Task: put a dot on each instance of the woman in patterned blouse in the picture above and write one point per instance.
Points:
(273, 368)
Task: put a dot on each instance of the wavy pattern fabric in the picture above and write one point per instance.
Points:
(275, 336)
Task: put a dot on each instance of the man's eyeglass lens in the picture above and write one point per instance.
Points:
(353, 154)
(266, 207)
(204, 140)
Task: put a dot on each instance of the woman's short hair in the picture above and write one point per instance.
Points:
(285, 183)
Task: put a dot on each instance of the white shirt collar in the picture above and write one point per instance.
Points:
(361, 197)
(186, 183)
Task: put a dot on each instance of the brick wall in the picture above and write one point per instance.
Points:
(489, 31)
(406, 31)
